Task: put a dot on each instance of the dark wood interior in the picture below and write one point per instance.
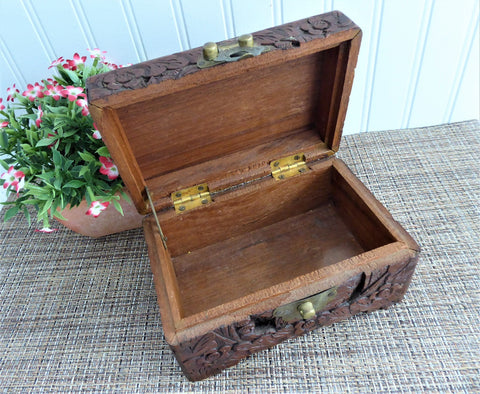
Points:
(267, 233)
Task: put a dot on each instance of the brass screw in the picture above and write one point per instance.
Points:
(178, 194)
(245, 41)
(182, 208)
(281, 176)
(296, 157)
(306, 309)
(276, 164)
(200, 188)
(210, 51)
(204, 201)
(301, 170)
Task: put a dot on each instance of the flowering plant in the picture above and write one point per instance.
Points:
(53, 155)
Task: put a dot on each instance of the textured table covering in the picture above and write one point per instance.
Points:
(79, 314)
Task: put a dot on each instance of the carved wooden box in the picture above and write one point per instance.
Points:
(256, 231)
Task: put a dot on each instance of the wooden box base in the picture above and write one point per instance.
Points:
(230, 264)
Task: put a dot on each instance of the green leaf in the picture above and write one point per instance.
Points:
(46, 142)
(74, 183)
(4, 140)
(10, 213)
(27, 215)
(57, 214)
(45, 208)
(57, 158)
(4, 164)
(86, 156)
(117, 206)
(103, 151)
(73, 76)
(125, 196)
(83, 171)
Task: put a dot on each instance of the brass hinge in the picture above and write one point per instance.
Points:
(190, 198)
(288, 166)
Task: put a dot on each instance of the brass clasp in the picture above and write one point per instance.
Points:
(244, 48)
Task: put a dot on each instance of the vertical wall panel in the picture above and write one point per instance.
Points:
(396, 53)
(443, 53)
(467, 100)
(19, 37)
(110, 30)
(50, 13)
(157, 27)
(204, 21)
(252, 15)
(295, 9)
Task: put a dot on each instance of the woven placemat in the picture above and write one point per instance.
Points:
(79, 314)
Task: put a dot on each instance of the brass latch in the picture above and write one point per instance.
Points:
(190, 198)
(244, 48)
(289, 166)
(306, 308)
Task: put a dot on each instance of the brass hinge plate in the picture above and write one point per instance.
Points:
(289, 166)
(192, 197)
(306, 308)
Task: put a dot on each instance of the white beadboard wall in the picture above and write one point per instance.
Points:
(418, 66)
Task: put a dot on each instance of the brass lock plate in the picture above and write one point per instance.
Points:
(306, 308)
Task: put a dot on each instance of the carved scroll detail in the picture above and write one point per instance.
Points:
(180, 64)
(226, 346)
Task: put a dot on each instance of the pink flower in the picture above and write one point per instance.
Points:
(47, 230)
(72, 64)
(56, 62)
(84, 104)
(50, 135)
(96, 133)
(55, 91)
(51, 81)
(111, 66)
(96, 53)
(73, 92)
(11, 93)
(124, 65)
(96, 207)
(33, 91)
(13, 178)
(108, 168)
(3, 124)
(39, 116)
(2, 107)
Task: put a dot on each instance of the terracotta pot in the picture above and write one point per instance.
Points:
(108, 222)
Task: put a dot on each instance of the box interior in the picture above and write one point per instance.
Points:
(265, 234)
(238, 124)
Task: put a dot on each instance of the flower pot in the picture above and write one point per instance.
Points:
(110, 221)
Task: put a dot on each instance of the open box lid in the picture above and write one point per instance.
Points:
(170, 123)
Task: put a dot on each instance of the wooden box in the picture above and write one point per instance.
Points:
(258, 233)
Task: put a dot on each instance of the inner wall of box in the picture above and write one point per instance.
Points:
(267, 235)
(219, 118)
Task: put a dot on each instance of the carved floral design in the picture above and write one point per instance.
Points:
(226, 346)
(178, 65)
